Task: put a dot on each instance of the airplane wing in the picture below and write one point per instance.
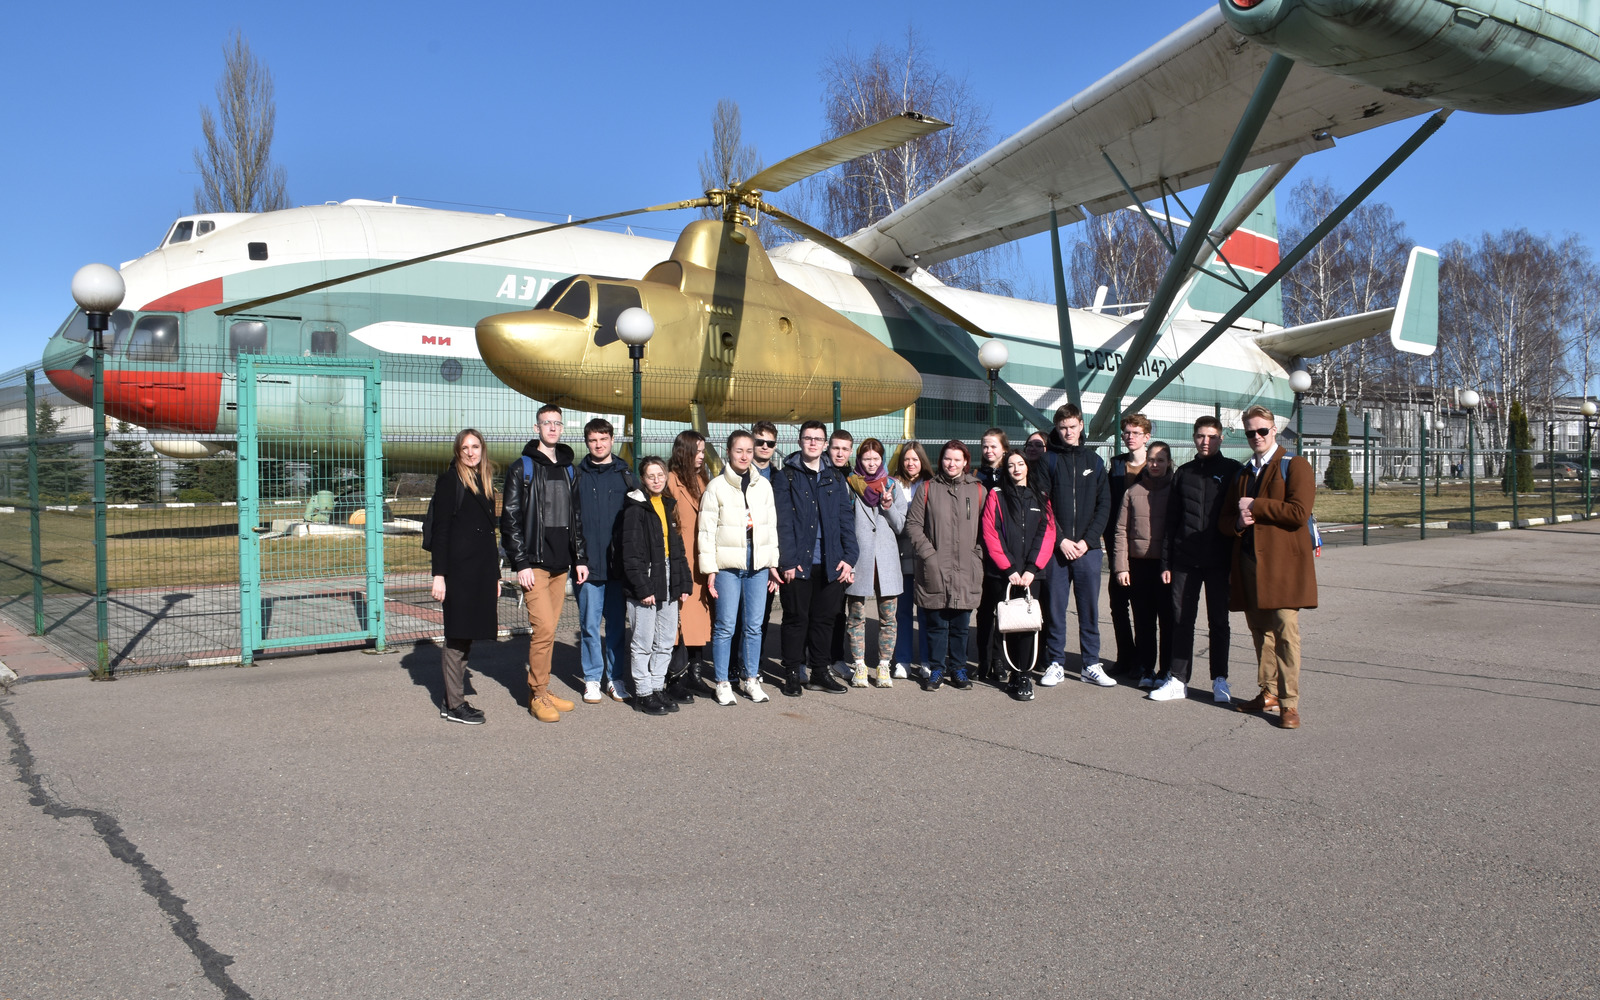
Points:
(1167, 114)
(1310, 340)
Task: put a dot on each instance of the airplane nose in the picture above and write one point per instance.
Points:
(533, 351)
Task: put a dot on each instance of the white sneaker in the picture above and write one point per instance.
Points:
(1220, 693)
(1094, 673)
(724, 693)
(923, 671)
(1146, 683)
(1172, 690)
(899, 671)
(591, 692)
(752, 690)
(613, 693)
(858, 675)
(1054, 674)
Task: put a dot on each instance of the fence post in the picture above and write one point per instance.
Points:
(1366, 473)
(33, 510)
(374, 477)
(249, 513)
(838, 408)
(1422, 479)
(1515, 470)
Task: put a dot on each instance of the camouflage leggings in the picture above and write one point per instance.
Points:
(855, 627)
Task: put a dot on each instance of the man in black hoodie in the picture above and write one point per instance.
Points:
(542, 535)
(603, 482)
(1200, 555)
(1080, 497)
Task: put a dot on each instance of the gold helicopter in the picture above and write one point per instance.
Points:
(733, 341)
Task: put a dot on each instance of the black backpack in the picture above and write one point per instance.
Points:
(427, 518)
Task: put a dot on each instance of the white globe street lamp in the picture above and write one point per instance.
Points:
(1469, 402)
(993, 356)
(98, 290)
(635, 327)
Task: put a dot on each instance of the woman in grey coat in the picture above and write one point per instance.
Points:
(880, 506)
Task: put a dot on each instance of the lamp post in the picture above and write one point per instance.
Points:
(635, 328)
(98, 290)
(993, 355)
(1588, 409)
(1300, 382)
(1469, 402)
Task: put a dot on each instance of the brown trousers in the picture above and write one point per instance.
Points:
(1276, 632)
(544, 610)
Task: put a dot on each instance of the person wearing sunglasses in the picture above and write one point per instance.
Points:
(1273, 573)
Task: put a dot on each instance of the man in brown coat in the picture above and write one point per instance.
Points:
(1273, 574)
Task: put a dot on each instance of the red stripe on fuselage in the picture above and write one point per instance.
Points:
(207, 293)
(1251, 252)
(156, 401)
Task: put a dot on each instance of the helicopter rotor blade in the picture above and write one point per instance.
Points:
(317, 286)
(884, 274)
(887, 134)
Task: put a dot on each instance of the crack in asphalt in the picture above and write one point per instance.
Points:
(155, 885)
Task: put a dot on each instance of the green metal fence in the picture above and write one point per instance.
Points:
(222, 543)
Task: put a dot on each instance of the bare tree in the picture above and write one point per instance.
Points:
(236, 169)
(729, 160)
(1120, 251)
(860, 90)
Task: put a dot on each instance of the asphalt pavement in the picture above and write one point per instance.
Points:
(309, 827)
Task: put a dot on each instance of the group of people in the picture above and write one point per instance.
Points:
(688, 564)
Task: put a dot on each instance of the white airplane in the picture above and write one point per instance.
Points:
(1249, 85)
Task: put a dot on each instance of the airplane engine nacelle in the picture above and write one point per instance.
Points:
(1494, 57)
(186, 450)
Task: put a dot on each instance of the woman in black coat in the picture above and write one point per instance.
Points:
(466, 566)
(1019, 537)
(655, 579)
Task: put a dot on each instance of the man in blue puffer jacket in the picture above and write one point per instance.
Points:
(816, 552)
(1081, 498)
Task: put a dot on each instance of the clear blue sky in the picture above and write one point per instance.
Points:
(561, 109)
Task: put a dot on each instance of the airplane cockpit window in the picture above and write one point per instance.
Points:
(548, 299)
(205, 226)
(613, 299)
(182, 232)
(576, 301)
(247, 337)
(155, 338)
(78, 330)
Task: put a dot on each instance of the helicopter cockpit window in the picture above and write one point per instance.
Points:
(182, 232)
(247, 337)
(155, 338)
(548, 299)
(576, 301)
(78, 330)
(205, 226)
(613, 299)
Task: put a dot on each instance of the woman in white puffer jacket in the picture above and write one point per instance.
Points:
(738, 552)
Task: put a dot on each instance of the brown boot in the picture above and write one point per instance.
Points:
(543, 710)
(1289, 719)
(1260, 703)
(560, 704)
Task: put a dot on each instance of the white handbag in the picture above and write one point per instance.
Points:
(1018, 614)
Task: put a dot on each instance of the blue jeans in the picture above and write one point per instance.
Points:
(599, 656)
(904, 636)
(742, 598)
(1081, 575)
(947, 636)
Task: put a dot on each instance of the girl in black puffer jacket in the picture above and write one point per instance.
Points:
(655, 577)
(1019, 537)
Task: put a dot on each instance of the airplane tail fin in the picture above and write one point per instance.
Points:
(1416, 315)
(1251, 250)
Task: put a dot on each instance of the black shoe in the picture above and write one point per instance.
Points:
(823, 680)
(1022, 690)
(959, 681)
(650, 704)
(666, 701)
(677, 692)
(792, 686)
(462, 713)
(935, 680)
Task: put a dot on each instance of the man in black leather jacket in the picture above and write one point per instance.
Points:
(1199, 554)
(542, 534)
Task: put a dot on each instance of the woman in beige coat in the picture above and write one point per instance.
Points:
(1138, 563)
(944, 526)
(737, 550)
(686, 481)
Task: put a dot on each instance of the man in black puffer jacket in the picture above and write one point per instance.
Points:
(1199, 554)
(542, 535)
(1081, 500)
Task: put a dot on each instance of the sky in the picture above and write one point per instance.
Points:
(583, 109)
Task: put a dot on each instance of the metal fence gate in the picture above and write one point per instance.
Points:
(310, 450)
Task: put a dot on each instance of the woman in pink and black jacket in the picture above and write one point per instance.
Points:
(1019, 536)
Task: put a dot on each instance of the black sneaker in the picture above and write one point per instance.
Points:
(665, 700)
(650, 704)
(791, 687)
(959, 681)
(822, 679)
(1022, 690)
(463, 713)
(677, 693)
